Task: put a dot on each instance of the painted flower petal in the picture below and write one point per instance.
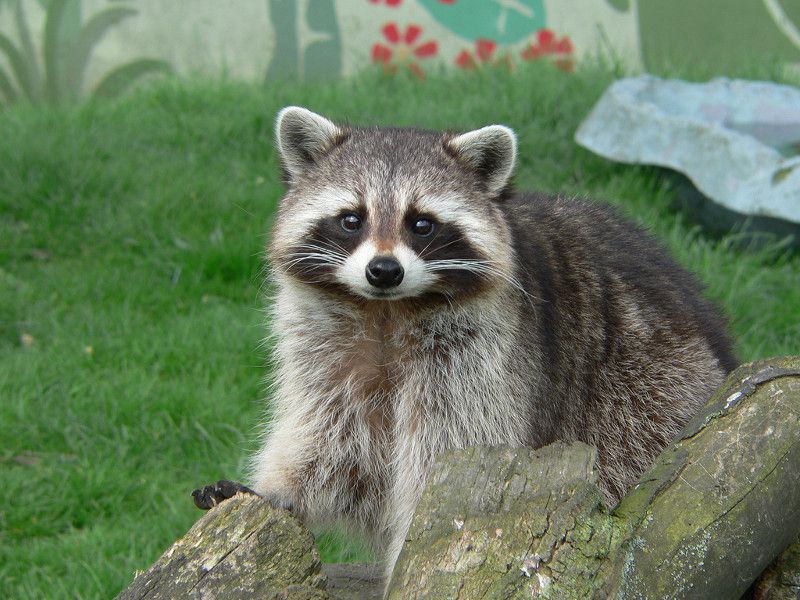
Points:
(381, 54)
(546, 38)
(564, 46)
(416, 70)
(427, 49)
(391, 33)
(465, 60)
(394, 2)
(532, 52)
(412, 33)
(484, 49)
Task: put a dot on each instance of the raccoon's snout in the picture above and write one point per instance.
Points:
(384, 272)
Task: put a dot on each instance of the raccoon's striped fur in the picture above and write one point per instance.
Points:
(422, 305)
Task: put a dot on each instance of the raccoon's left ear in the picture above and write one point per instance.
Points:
(303, 137)
(491, 151)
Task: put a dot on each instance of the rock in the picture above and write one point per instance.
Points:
(737, 141)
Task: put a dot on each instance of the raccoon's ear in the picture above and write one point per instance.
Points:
(491, 151)
(303, 137)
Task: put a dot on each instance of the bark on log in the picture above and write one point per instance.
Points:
(714, 510)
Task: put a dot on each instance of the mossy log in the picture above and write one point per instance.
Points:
(717, 507)
(242, 548)
(715, 510)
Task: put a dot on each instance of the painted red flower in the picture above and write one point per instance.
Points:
(484, 55)
(547, 45)
(403, 49)
(484, 49)
(389, 3)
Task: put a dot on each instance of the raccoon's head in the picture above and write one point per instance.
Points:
(392, 214)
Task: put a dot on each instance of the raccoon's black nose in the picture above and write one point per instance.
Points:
(384, 272)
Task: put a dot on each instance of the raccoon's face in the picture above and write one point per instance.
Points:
(392, 214)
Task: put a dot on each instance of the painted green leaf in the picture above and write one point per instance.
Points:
(17, 62)
(503, 22)
(28, 53)
(52, 67)
(123, 77)
(620, 5)
(323, 59)
(285, 62)
(89, 36)
(7, 88)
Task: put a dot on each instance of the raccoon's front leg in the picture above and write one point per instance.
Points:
(279, 469)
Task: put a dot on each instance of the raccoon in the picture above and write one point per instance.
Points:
(422, 304)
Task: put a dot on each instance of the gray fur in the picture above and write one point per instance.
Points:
(527, 319)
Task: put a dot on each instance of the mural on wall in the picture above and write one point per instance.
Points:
(502, 21)
(308, 41)
(61, 50)
(487, 25)
(53, 70)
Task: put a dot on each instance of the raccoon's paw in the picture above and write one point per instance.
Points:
(211, 495)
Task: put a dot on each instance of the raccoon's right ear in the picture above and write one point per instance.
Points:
(303, 137)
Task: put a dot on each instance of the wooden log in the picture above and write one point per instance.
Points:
(717, 507)
(721, 503)
(242, 548)
(713, 512)
(504, 523)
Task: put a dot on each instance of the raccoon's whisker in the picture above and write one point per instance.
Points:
(484, 268)
(333, 244)
(453, 241)
(319, 259)
(323, 249)
(428, 245)
(317, 254)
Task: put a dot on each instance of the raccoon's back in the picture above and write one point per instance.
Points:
(631, 348)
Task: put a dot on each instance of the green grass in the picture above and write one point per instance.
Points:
(131, 234)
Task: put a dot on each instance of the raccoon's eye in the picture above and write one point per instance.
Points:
(350, 222)
(422, 227)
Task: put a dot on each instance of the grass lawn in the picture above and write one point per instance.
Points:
(131, 234)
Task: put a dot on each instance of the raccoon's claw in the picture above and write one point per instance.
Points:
(211, 495)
